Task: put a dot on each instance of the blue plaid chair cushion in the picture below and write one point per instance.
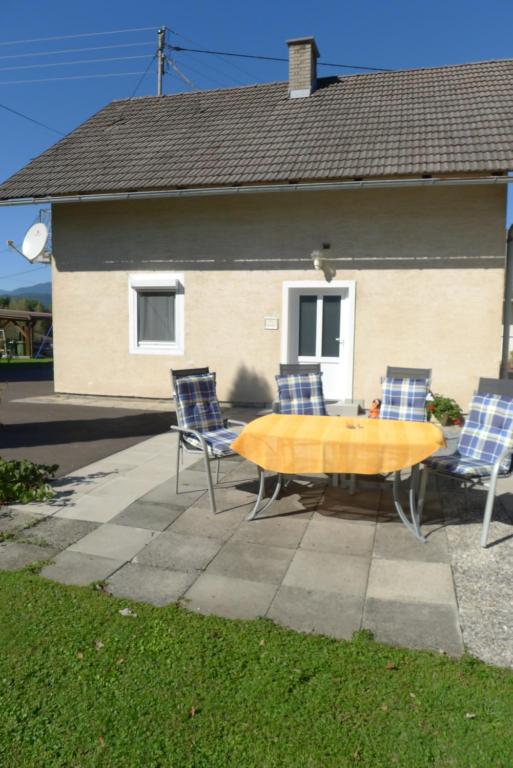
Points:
(301, 394)
(197, 406)
(218, 440)
(456, 464)
(404, 399)
(488, 430)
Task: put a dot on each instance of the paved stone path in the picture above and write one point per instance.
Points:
(321, 561)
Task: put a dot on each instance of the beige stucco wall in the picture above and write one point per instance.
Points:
(427, 265)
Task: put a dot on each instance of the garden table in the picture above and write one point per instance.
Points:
(295, 445)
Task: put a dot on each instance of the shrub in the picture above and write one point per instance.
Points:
(23, 481)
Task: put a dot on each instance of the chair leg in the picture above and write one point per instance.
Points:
(209, 481)
(424, 477)
(217, 471)
(178, 451)
(490, 501)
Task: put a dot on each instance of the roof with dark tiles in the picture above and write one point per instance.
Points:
(444, 120)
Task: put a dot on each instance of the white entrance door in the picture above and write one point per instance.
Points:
(321, 330)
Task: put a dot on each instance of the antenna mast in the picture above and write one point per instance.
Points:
(161, 58)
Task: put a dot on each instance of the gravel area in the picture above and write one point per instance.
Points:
(483, 577)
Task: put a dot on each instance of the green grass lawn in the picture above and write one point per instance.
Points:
(82, 686)
(13, 361)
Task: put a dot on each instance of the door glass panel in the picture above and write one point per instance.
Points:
(330, 326)
(307, 325)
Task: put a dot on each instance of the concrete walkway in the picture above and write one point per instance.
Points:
(322, 561)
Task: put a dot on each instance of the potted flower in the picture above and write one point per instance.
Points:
(444, 410)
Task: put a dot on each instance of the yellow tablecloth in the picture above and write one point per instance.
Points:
(332, 444)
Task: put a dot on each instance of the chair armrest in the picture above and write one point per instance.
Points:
(193, 432)
(497, 465)
(236, 423)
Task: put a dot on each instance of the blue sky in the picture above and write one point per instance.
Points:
(393, 34)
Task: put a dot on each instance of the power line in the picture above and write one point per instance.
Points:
(74, 37)
(143, 75)
(224, 74)
(31, 119)
(72, 50)
(25, 271)
(70, 63)
(272, 58)
(186, 65)
(68, 77)
(220, 58)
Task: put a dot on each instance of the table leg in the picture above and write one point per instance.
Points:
(413, 524)
(261, 489)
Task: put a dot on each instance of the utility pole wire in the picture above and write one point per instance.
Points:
(73, 50)
(31, 119)
(181, 75)
(74, 37)
(201, 74)
(228, 63)
(68, 77)
(69, 63)
(143, 75)
(219, 71)
(272, 58)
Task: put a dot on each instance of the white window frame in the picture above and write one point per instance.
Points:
(139, 281)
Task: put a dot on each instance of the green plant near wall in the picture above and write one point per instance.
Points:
(23, 481)
(445, 410)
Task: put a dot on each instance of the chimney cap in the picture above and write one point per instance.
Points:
(303, 40)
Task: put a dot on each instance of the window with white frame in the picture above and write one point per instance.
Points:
(156, 313)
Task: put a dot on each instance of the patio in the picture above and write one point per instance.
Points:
(322, 561)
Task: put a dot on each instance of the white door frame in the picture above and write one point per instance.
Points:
(349, 303)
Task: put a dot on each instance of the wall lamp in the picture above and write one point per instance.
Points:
(324, 265)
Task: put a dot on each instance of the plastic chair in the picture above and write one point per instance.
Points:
(201, 428)
(485, 448)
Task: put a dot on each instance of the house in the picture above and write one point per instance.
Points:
(185, 230)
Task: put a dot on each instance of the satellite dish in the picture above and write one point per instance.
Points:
(36, 246)
(34, 241)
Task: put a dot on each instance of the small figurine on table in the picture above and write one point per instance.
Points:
(374, 409)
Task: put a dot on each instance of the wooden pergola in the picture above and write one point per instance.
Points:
(24, 321)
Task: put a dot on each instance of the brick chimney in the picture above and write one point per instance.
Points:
(303, 55)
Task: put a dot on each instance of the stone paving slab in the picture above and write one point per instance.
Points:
(142, 514)
(15, 519)
(57, 532)
(93, 509)
(179, 552)
(394, 542)
(414, 625)
(411, 582)
(78, 568)
(276, 531)
(229, 597)
(144, 583)
(198, 521)
(339, 536)
(116, 541)
(252, 562)
(326, 613)
(165, 494)
(15, 555)
(328, 572)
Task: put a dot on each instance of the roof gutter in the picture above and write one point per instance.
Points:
(322, 186)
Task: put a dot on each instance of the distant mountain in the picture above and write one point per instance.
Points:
(41, 291)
